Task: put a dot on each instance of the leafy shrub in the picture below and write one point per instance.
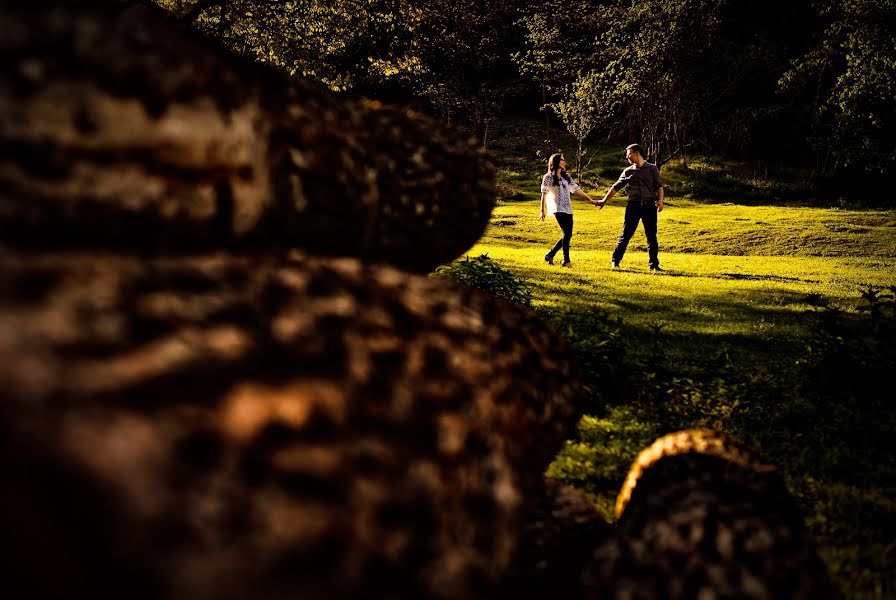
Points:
(847, 373)
(600, 456)
(819, 407)
(485, 274)
(598, 348)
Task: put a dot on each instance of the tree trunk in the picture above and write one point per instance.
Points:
(579, 161)
(546, 145)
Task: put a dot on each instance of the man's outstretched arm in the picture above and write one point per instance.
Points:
(610, 193)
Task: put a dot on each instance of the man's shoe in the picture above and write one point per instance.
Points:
(614, 265)
(549, 259)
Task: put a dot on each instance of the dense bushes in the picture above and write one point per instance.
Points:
(485, 274)
(819, 407)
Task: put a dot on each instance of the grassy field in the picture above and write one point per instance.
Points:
(771, 322)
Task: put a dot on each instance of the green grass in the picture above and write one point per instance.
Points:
(730, 317)
(757, 327)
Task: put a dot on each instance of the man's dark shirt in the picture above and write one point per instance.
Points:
(643, 182)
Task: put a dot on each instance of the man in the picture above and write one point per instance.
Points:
(645, 200)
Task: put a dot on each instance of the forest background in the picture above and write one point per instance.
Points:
(774, 124)
(807, 85)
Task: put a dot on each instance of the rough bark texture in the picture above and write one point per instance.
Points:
(555, 545)
(120, 130)
(353, 429)
(702, 516)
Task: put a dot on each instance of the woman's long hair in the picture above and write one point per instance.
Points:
(554, 166)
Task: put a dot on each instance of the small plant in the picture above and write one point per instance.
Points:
(877, 301)
(485, 274)
(597, 342)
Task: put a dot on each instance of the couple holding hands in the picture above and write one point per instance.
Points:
(645, 200)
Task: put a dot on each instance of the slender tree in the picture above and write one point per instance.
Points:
(558, 45)
(581, 113)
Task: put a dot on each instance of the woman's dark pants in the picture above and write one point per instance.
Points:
(565, 222)
(636, 211)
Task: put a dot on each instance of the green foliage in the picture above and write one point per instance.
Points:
(849, 79)
(847, 373)
(762, 78)
(454, 53)
(558, 42)
(486, 274)
(344, 45)
(671, 74)
(464, 52)
(821, 410)
(603, 450)
(698, 176)
(580, 112)
(598, 348)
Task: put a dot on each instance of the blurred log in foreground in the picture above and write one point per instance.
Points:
(215, 427)
(120, 130)
(703, 516)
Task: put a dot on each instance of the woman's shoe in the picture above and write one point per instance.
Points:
(566, 263)
(548, 258)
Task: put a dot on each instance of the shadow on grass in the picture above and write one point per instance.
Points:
(733, 276)
(817, 403)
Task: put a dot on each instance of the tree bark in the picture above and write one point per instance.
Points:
(112, 142)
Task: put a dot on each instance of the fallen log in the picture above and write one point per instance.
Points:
(121, 130)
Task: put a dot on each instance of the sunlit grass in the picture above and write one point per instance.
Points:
(736, 334)
(727, 269)
(732, 310)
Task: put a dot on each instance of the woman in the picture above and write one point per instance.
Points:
(556, 187)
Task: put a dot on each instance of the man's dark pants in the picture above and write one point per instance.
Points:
(636, 211)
